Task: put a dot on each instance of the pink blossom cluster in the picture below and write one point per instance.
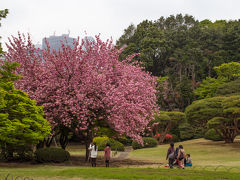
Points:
(86, 84)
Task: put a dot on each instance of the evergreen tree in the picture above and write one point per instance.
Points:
(22, 122)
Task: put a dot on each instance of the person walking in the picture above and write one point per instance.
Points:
(107, 154)
(170, 155)
(181, 156)
(93, 150)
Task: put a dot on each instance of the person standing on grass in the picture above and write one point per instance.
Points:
(93, 150)
(181, 156)
(170, 155)
(107, 154)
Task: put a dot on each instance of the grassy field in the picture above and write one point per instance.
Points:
(74, 173)
(203, 153)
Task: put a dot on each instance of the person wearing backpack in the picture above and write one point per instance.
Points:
(181, 156)
(170, 155)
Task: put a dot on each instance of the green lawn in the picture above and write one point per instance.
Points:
(73, 173)
(203, 153)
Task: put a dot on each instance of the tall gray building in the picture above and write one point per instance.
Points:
(56, 41)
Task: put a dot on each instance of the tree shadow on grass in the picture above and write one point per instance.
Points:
(76, 160)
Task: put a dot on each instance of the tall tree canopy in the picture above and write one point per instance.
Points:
(183, 49)
(86, 85)
(3, 14)
(226, 82)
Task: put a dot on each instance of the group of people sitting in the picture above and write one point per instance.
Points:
(93, 151)
(178, 157)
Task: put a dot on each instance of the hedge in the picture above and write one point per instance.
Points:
(51, 154)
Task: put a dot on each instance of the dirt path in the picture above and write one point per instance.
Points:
(120, 160)
(123, 155)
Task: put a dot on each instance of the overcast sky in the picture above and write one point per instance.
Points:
(41, 18)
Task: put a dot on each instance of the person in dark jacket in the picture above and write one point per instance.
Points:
(171, 155)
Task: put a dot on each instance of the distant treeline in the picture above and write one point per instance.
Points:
(182, 51)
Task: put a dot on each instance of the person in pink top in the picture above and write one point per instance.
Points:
(181, 156)
(107, 154)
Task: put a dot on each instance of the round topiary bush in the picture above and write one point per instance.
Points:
(147, 142)
(56, 155)
(211, 134)
(186, 131)
(101, 143)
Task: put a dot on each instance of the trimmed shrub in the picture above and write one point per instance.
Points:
(211, 134)
(186, 131)
(136, 145)
(147, 142)
(101, 143)
(51, 154)
(199, 132)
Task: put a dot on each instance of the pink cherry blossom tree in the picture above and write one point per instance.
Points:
(85, 85)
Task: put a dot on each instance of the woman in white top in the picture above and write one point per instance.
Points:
(93, 151)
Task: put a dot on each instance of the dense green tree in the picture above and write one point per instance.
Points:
(220, 113)
(164, 122)
(226, 73)
(22, 122)
(208, 87)
(227, 124)
(229, 89)
(229, 71)
(199, 112)
(3, 14)
(180, 47)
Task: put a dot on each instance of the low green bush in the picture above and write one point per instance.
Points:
(16, 153)
(211, 134)
(56, 155)
(186, 131)
(147, 142)
(101, 143)
(125, 141)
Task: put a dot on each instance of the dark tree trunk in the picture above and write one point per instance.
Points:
(7, 152)
(40, 144)
(229, 135)
(64, 140)
(88, 140)
(49, 141)
(163, 134)
(87, 151)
